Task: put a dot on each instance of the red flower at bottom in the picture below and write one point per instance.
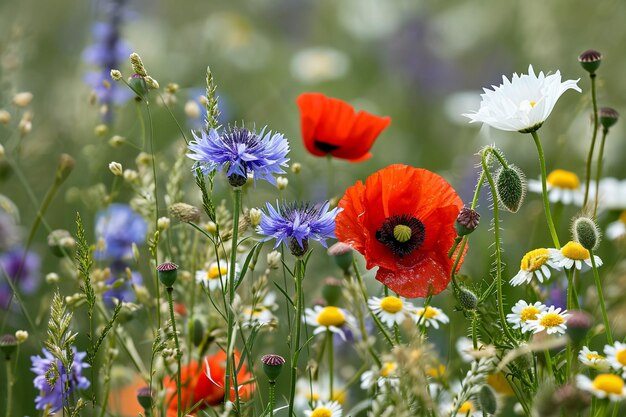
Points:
(402, 220)
(204, 383)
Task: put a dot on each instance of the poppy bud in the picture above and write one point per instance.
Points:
(578, 324)
(342, 255)
(144, 398)
(272, 365)
(467, 221)
(510, 187)
(590, 60)
(8, 342)
(138, 84)
(608, 117)
(488, 400)
(467, 299)
(585, 231)
(167, 272)
(331, 291)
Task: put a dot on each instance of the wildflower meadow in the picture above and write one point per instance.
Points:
(312, 209)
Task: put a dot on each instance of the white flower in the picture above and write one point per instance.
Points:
(328, 318)
(432, 316)
(563, 187)
(617, 229)
(314, 65)
(534, 263)
(384, 376)
(390, 310)
(602, 386)
(592, 359)
(616, 356)
(310, 393)
(466, 350)
(573, 255)
(261, 314)
(523, 103)
(552, 321)
(325, 409)
(612, 194)
(212, 276)
(523, 313)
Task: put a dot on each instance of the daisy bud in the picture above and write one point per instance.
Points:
(590, 60)
(117, 140)
(5, 117)
(143, 158)
(163, 223)
(342, 255)
(52, 278)
(281, 183)
(467, 221)
(578, 325)
(61, 242)
(116, 169)
(331, 291)
(138, 84)
(272, 365)
(273, 259)
(467, 299)
(144, 398)
(25, 126)
(192, 109)
(608, 117)
(101, 130)
(8, 342)
(22, 99)
(185, 212)
(488, 400)
(296, 167)
(510, 187)
(130, 175)
(172, 88)
(116, 74)
(167, 272)
(21, 336)
(255, 217)
(137, 64)
(586, 232)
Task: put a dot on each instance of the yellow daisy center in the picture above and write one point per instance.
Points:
(594, 356)
(331, 316)
(575, 250)
(529, 313)
(215, 271)
(609, 383)
(551, 320)
(339, 396)
(391, 304)
(312, 396)
(533, 103)
(621, 356)
(429, 313)
(622, 217)
(322, 412)
(436, 371)
(388, 369)
(534, 259)
(466, 407)
(500, 384)
(561, 178)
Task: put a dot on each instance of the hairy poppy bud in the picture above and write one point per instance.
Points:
(511, 187)
(585, 231)
(467, 299)
(487, 399)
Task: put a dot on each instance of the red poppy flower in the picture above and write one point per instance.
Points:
(204, 383)
(331, 126)
(402, 220)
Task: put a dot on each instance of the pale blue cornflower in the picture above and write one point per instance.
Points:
(242, 152)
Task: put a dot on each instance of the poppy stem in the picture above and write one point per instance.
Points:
(331, 365)
(10, 380)
(594, 135)
(596, 278)
(605, 131)
(178, 354)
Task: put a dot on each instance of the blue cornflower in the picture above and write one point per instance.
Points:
(124, 291)
(242, 152)
(294, 224)
(55, 395)
(119, 227)
(25, 275)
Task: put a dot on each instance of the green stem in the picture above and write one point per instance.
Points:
(331, 358)
(231, 293)
(9, 386)
(544, 191)
(593, 137)
(272, 397)
(178, 354)
(596, 278)
(295, 348)
(599, 170)
(496, 231)
(549, 362)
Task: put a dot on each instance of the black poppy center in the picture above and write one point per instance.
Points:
(402, 234)
(325, 147)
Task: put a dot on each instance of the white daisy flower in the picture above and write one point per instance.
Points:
(523, 313)
(432, 316)
(551, 320)
(325, 409)
(617, 229)
(603, 386)
(390, 310)
(522, 104)
(534, 264)
(466, 409)
(573, 255)
(563, 186)
(616, 356)
(260, 314)
(384, 376)
(310, 393)
(212, 276)
(612, 194)
(592, 359)
(314, 65)
(465, 347)
(328, 318)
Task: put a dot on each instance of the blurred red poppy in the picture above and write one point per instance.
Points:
(331, 126)
(204, 384)
(402, 220)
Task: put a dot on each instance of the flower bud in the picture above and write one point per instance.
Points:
(590, 60)
(116, 169)
(467, 299)
(236, 180)
(64, 167)
(255, 217)
(61, 242)
(571, 399)
(342, 255)
(117, 140)
(167, 272)
(8, 342)
(137, 64)
(163, 223)
(487, 399)
(21, 336)
(578, 325)
(296, 249)
(192, 109)
(331, 291)
(22, 99)
(296, 167)
(608, 117)
(152, 83)
(145, 399)
(586, 232)
(138, 84)
(5, 117)
(510, 187)
(52, 278)
(116, 74)
(467, 221)
(272, 365)
(198, 332)
(130, 175)
(101, 130)
(281, 183)
(185, 212)
(273, 259)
